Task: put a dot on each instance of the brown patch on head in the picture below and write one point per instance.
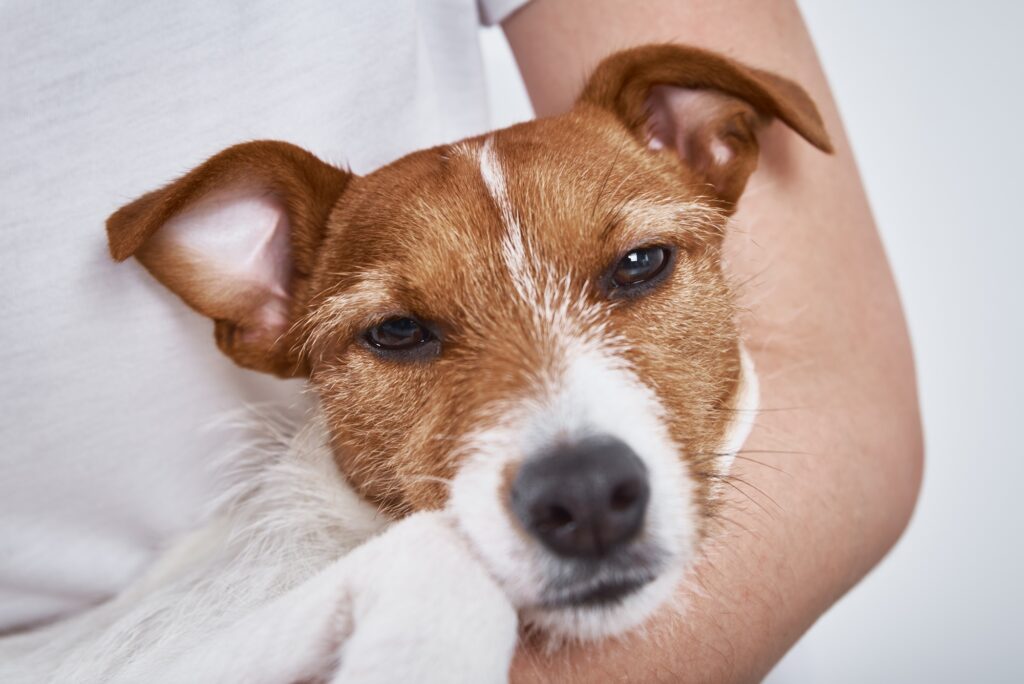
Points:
(502, 248)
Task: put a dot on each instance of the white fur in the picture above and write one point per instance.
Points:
(268, 592)
(744, 406)
(514, 251)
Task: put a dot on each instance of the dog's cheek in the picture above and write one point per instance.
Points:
(374, 409)
(690, 360)
(426, 462)
(393, 425)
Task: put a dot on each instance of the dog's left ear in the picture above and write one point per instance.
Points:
(703, 107)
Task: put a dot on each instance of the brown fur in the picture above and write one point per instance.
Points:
(422, 237)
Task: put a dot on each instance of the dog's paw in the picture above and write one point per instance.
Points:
(424, 609)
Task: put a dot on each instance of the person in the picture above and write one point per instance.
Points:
(108, 380)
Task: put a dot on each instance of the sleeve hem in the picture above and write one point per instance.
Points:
(493, 12)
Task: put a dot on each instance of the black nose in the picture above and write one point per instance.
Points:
(583, 500)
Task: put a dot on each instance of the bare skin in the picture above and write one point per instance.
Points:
(828, 479)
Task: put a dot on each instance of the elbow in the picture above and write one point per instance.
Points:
(907, 473)
(896, 459)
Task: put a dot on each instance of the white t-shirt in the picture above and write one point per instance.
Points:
(109, 382)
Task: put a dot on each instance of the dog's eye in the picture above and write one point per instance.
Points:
(398, 334)
(640, 265)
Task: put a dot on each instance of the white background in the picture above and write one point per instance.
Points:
(932, 93)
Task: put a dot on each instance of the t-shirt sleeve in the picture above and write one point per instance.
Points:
(496, 11)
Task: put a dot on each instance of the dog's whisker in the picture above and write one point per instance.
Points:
(731, 481)
(446, 481)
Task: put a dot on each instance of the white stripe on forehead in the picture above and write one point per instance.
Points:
(513, 247)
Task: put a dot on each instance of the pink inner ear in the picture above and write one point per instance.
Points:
(229, 256)
(686, 120)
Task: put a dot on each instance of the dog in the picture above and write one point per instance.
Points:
(529, 387)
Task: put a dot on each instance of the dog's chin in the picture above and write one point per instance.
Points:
(601, 610)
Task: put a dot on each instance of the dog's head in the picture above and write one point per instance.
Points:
(530, 328)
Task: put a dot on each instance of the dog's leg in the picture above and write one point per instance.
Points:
(409, 605)
(424, 610)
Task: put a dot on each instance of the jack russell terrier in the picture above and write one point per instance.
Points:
(529, 386)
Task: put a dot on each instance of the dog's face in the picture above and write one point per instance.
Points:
(529, 328)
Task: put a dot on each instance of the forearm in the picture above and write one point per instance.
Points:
(828, 479)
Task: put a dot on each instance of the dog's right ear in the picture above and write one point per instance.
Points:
(703, 108)
(236, 238)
